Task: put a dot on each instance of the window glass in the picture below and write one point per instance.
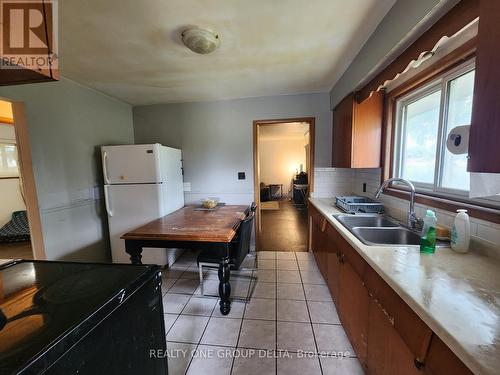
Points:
(420, 132)
(454, 168)
(8, 160)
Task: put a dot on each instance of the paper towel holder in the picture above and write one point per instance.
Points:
(457, 141)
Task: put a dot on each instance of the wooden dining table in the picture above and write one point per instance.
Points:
(192, 228)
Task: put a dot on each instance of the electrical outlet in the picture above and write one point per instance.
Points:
(241, 176)
(187, 186)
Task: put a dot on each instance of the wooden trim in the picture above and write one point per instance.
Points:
(459, 16)
(487, 213)
(449, 62)
(440, 67)
(256, 167)
(6, 120)
(28, 180)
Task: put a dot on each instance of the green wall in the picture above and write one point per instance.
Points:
(67, 122)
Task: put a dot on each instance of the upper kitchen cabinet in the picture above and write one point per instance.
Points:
(485, 129)
(28, 53)
(357, 132)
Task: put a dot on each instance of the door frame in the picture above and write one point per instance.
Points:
(256, 167)
(27, 178)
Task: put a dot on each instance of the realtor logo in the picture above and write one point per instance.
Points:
(29, 34)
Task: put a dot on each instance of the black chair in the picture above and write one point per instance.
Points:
(239, 249)
(253, 207)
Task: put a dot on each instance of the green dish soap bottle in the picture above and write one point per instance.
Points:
(428, 237)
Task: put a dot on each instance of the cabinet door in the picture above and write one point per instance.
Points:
(333, 278)
(353, 312)
(441, 360)
(485, 129)
(387, 353)
(367, 132)
(342, 133)
(412, 330)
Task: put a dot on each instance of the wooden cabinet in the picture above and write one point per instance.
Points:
(333, 260)
(353, 308)
(319, 240)
(387, 352)
(386, 334)
(415, 334)
(357, 132)
(441, 360)
(485, 129)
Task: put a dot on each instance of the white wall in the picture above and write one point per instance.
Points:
(216, 138)
(279, 159)
(67, 123)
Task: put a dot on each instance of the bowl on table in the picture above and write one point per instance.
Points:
(209, 203)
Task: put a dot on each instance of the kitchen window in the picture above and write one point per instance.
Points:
(424, 118)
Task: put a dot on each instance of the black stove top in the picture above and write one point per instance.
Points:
(41, 302)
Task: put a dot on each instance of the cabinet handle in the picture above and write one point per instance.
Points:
(341, 259)
(419, 364)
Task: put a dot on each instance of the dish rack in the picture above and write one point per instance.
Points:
(359, 205)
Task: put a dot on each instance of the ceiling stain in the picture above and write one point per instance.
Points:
(133, 51)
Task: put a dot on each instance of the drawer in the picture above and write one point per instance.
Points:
(350, 254)
(415, 333)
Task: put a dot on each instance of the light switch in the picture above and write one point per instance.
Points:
(241, 175)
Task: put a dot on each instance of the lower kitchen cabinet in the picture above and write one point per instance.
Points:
(319, 242)
(333, 274)
(388, 337)
(387, 352)
(441, 360)
(353, 309)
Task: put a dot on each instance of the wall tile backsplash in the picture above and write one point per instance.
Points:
(329, 182)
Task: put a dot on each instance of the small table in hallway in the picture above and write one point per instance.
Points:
(189, 228)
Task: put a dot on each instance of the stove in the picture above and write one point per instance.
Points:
(48, 310)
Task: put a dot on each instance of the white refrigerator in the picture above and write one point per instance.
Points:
(141, 183)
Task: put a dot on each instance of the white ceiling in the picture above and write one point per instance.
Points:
(290, 130)
(132, 49)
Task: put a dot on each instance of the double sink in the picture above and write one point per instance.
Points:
(378, 230)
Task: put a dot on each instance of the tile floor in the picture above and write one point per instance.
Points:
(288, 326)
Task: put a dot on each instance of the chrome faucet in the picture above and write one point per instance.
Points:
(412, 220)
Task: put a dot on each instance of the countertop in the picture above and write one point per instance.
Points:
(456, 295)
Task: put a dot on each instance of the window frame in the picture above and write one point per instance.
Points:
(483, 209)
(440, 82)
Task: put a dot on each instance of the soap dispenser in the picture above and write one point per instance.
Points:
(460, 234)
(428, 237)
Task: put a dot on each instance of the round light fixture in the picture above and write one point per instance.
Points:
(200, 40)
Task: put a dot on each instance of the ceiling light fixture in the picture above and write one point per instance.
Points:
(200, 40)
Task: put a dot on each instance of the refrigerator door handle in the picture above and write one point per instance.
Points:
(106, 198)
(105, 167)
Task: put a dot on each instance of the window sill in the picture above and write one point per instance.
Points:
(486, 213)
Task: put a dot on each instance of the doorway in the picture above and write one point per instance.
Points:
(283, 180)
(20, 226)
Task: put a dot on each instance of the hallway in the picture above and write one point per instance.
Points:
(284, 229)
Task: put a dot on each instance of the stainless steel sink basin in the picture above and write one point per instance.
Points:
(386, 236)
(379, 230)
(366, 221)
